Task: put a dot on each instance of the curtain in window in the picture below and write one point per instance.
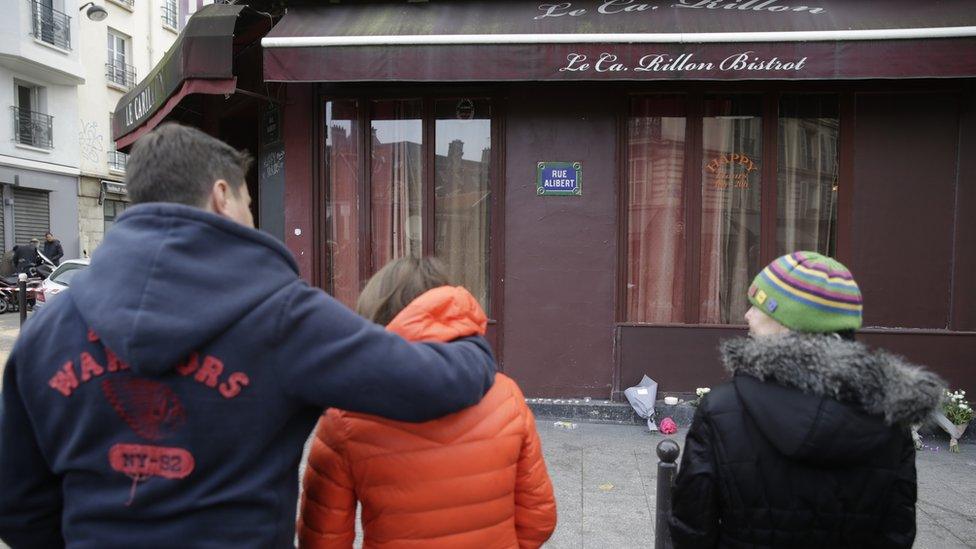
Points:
(462, 191)
(397, 181)
(655, 211)
(807, 174)
(731, 193)
(342, 205)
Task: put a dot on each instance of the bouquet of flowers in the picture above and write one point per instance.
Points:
(957, 410)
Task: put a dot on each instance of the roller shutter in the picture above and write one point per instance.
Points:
(32, 214)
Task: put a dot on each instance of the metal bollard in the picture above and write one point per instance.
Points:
(22, 296)
(667, 453)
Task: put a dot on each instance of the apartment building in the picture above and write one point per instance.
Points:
(116, 54)
(40, 71)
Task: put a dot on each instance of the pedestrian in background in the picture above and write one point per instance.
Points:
(25, 256)
(809, 445)
(53, 249)
(473, 479)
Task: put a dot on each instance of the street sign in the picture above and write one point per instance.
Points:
(559, 179)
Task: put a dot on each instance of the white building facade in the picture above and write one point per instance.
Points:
(116, 54)
(40, 71)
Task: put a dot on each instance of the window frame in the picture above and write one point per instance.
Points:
(170, 7)
(117, 38)
(771, 94)
(363, 97)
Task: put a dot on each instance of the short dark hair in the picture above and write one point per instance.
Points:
(176, 163)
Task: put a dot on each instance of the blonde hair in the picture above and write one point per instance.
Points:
(397, 284)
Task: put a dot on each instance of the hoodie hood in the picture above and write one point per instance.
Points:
(817, 397)
(169, 278)
(442, 314)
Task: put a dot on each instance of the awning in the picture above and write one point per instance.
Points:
(200, 61)
(508, 40)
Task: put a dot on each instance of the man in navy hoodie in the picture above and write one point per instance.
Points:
(166, 399)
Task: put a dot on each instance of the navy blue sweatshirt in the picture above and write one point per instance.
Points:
(165, 399)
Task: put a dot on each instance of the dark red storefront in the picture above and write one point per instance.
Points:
(420, 128)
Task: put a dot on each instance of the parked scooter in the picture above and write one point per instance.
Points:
(8, 293)
(36, 274)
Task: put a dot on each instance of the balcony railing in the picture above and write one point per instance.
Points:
(117, 161)
(50, 25)
(33, 128)
(121, 74)
(170, 14)
(128, 3)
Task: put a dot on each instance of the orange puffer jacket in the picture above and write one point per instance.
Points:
(472, 479)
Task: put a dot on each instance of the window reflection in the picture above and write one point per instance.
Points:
(462, 192)
(806, 194)
(396, 188)
(731, 193)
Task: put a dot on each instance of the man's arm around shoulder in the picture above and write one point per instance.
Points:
(332, 357)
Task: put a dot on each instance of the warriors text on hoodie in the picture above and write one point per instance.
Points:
(166, 399)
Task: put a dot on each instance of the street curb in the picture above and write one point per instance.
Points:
(606, 411)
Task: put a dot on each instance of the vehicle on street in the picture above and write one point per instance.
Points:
(59, 281)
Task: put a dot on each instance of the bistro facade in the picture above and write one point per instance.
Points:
(608, 176)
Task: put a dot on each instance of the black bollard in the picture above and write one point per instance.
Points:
(667, 453)
(22, 296)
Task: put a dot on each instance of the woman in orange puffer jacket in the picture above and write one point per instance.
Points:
(472, 479)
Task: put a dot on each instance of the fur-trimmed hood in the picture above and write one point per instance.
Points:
(877, 382)
(819, 399)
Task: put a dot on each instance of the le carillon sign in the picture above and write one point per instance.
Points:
(511, 40)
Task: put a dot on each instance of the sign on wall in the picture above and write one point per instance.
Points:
(559, 179)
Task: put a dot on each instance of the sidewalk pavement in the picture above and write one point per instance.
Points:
(605, 482)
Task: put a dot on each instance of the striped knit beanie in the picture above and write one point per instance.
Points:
(808, 292)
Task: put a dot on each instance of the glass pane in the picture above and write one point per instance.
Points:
(396, 186)
(341, 204)
(462, 189)
(806, 177)
(731, 188)
(655, 210)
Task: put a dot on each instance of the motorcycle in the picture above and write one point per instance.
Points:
(36, 273)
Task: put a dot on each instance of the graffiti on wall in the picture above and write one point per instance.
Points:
(90, 140)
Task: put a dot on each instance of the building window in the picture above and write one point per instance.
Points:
(807, 174)
(112, 210)
(342, 177)
(722, 200)
(117, 161)
(462, 191)
(655, 210)
(730, 193)
(396, 187)
(50, 25)
(171, 14)
(117, 69)
(427, 189)
(32, 126)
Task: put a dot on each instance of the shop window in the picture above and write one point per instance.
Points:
(807, 174)
(342, 175)
(426, 189)
(655, 210)
(731, 196)
(396, 180)
(462, 191)
(714, 184)
(112, 209)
